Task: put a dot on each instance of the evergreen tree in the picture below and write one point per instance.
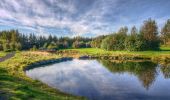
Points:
(165, 33)
(149, 32)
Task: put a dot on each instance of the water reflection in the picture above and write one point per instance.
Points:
(166, 71)
(145, 71)
(105, 80)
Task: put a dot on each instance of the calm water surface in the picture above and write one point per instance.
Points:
(105, 80)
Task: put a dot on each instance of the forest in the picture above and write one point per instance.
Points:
(147, 37)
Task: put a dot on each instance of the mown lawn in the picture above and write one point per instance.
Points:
(15, 85)
(96, 51)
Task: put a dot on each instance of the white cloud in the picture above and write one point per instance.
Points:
(42, 14)
(35, 13)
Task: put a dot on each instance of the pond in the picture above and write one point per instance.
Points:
(106, 80)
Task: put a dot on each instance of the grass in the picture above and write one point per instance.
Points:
(162, 56)
(2, 54)
(95, 51)
(15, 85)
(165, 48)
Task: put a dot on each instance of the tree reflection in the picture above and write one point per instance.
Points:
(166, 71)
(145, 71)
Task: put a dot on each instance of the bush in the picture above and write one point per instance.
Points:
(134, 43)
(114, 42)
(1, 47)
(18, 46)
(108, 43)
(52, 47)
(34, 48)
(6, 47)
(80, 44)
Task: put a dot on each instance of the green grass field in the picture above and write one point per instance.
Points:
(95, 51)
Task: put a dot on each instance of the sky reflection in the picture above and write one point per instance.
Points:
(97, 81)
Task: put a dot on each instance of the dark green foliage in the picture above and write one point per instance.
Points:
(146, 39)
(6, 46)
(120, 39)
(149, 32)
(18, 46)
(165, 33)
(9, 40)
(145, 71)
(114, 42)
(96, 42)
(52, 46)
(1, 47)
(134, 43)
(13, 40)
(108, 43)
(34, 48)
(78, 44)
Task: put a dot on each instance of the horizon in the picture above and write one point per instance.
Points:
(87, 18)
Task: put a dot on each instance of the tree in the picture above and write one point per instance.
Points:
(114, 41)
(149, 32)
(24, 42)
(14, 36)
(165, 32)
(108, 43)
(96, 42)
(65, 44)
(123, 30)
(12, 46)
(82, 44)
(45, 45)
(50, 38)
(1, 47)
(134, 31)
(6, 47)
(13, 40)
(52, 46)
(75, 44)
(18, 46)
(34, 48)
(134, 43)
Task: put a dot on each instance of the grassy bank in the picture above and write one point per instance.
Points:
(2, 54)
(15, 85)
(162, 55)
(94, 51)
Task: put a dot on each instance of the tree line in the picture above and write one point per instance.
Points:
(146, 38)
(12, 40)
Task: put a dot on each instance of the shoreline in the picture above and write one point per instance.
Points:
(160, 58)
(22, 61)
(12, 71)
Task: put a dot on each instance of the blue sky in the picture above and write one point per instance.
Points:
(79, 17)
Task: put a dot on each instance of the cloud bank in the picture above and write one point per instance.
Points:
(79, 17)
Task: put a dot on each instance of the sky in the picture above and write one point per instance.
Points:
(79, 17)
